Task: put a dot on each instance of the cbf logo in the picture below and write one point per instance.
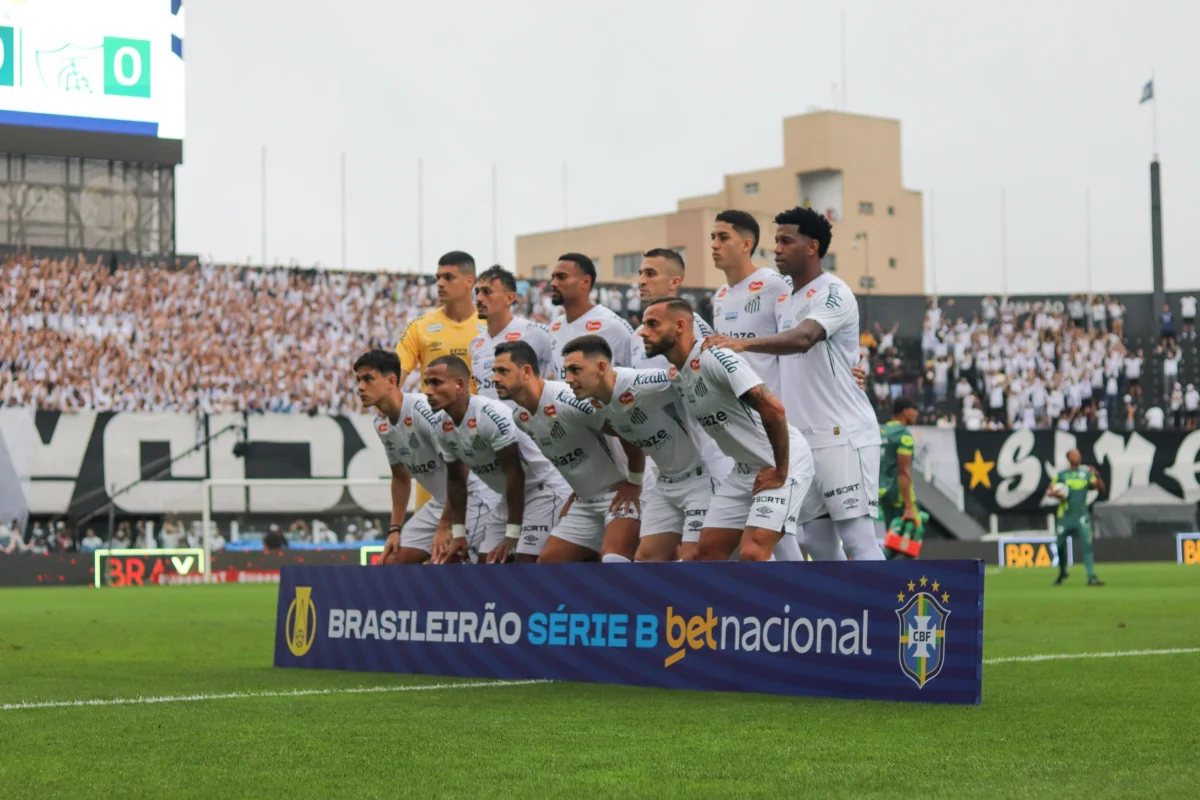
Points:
(301, 623)
(922, 631)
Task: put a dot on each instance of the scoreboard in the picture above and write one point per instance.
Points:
(90, 73)
(145, 567)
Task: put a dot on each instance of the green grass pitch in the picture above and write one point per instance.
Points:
(1088, 727)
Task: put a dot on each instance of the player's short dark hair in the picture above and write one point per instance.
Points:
(498, 273)
(742, 222)
(901, 404)
(385, 362)
(590, 346)
(521, 353)
(667, 254)
(583, 262)
(675, 304)
(457, 258)
(456, 366)
(811, 224)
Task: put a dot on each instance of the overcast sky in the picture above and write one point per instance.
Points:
(654, 100)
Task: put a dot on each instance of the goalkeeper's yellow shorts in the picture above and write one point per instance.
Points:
(423, 496)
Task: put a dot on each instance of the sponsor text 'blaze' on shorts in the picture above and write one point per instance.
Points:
(845, 483)
(585, 522)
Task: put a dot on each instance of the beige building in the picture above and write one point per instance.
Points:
(846, 165)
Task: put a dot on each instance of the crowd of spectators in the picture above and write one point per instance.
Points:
(195, 337)
(1029, 365)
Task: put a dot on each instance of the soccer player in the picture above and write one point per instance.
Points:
(477, 434)
(446, 330)
(644, 409)
(602, 518)
(408, 428)
(759, 502)
(818, 347)
(495, 293)
(744, 308)
(897, 498)
(570, 287)
(660, 275)
(1073, 514)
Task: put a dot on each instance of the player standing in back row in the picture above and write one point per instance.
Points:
(495, 293)
(817, 347)
(744, 308)
(571, 287)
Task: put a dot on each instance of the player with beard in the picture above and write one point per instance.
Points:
(408, 427)
(645, 410)
(817, 347)
(571, 285)
(744, 307)
(476, 435)
(758, 504)
(602, 517)
(660, 275)
(495, 293)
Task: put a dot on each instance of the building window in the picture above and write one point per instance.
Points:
(866, 208)
(829, 262)
(891, 211)
(626, 265)
(751, 188)
(539, 273)
(892, 263)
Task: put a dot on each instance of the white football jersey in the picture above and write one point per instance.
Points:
(823, 400)
(712, 383)
(486, 429)
(746, 311)
(645, 410)
(483, 351)
(412, 440)
(568, 433)
(642, 361)
(598, 321)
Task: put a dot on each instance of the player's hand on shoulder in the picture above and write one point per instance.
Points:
(720, 340)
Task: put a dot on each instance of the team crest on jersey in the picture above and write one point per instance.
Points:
(695, 365)
(755, 285)
(383, 427)
(472, 423)
(408, 422)
(550, 411)
(922, 631)
(639, 417)
(512, 337)
(557, 430)
(556, 326)
(523, 416)
(448, 426)
(626, 399)
(753, 306)
(700, 388)
(478, 445)
(594, 325)
(435, 327)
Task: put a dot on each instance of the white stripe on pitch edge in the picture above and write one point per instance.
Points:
(193, 698)
(1112, 654)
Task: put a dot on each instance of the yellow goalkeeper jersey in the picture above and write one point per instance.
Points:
(433, 335)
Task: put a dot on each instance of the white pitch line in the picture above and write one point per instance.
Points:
(1112, 654)
(195, 698)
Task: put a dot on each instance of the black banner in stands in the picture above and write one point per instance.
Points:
(1011, 470)
(70, 462)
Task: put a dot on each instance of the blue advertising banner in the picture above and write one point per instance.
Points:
(884, 630)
